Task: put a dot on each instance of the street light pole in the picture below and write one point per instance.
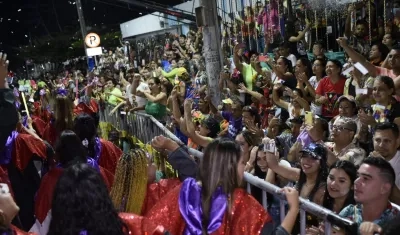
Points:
(212, 48)
(82, 23)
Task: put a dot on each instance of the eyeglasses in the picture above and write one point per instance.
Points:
(340, 128)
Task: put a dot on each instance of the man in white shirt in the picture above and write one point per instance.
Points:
(284, 50)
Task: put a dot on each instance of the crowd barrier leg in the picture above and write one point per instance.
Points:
(264, 200)
(328, 227)
(302, 221)
(282, 211)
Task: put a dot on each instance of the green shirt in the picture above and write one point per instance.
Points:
(112, 99)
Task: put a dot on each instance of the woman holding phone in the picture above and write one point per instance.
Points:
(310, 178)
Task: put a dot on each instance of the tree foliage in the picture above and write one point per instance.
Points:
(64, 46)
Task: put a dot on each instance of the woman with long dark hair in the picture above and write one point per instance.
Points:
(339, 191)
(309, 84)
(68, 150)
(105, 153)
(310, 178)
(247, 141)
(339, 186)
(282, 72)
(81, 205)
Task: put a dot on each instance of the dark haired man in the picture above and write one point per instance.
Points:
(318, 51)
(359, 36)
(386, 142)
(372, 190)
(284, 50)
(114, 92)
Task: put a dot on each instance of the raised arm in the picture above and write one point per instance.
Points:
(155, 99)
(236, 59)
(301, 34)
(255, 94)
(356, 57)
(289, 173)
(191, 129)
(179, 158)
(277, 100)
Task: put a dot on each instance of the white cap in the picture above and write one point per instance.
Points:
(284, 163)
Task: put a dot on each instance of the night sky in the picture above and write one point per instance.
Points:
(24, 20)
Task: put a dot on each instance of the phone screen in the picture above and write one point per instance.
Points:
(308, 118)
(270, 147)
(262, 58)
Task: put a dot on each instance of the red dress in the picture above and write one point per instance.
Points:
(49, 133)
(45, 193)
(155, 192)
(90, 108)
(38, 124)
(141, 225)
(21, 174)
(109, 155)
(247, 215)
(41, 112)
(25, 146)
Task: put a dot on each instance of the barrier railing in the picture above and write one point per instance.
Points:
(145, 127)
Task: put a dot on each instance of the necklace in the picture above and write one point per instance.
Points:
(310, 184)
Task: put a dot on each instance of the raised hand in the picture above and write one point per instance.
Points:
(3, 69)
(342, 41)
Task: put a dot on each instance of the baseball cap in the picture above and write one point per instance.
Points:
(316, 151)
(349, 98)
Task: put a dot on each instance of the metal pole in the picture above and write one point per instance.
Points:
(212, 48)
(82, 24)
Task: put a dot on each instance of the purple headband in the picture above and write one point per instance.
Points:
(61, 91)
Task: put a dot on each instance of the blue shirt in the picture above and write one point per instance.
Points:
(235, 125)
(178, 133)
(354, 213)
(166, 66)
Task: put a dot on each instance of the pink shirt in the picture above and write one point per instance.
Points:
(386, 72)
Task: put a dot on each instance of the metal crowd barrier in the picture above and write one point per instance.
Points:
(145, 127)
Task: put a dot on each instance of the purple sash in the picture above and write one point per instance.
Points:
(191, 211)
(6, 155)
